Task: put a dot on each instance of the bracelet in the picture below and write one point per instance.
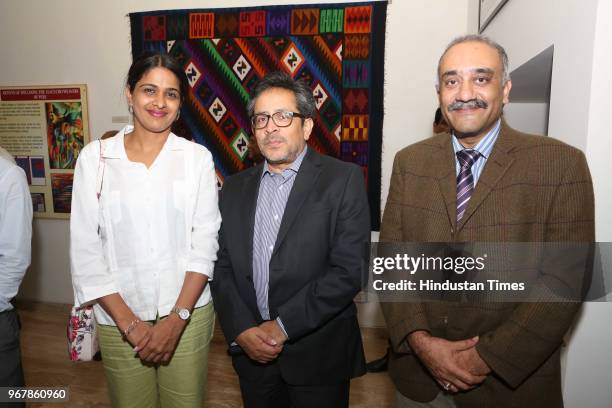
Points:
(131, 327)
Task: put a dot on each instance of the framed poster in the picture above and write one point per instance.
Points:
(45, 128)
(487, 9)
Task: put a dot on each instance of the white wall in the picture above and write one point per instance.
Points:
(526, 27)
(599, 131)
(589, 358)
(527, 117)
(89, 42)
(581, 32)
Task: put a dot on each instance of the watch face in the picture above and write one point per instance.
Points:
(184, 314)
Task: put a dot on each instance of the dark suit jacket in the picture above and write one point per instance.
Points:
(316, 270)
(532, 189)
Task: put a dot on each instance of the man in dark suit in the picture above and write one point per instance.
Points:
(290, 260)
(484, 182)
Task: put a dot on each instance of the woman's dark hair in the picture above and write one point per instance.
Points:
(151, 59)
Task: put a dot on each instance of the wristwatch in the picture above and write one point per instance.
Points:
(184, 314)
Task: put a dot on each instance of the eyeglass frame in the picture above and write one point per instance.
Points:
(268, 116)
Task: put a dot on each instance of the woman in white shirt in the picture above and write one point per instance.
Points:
(143, 240)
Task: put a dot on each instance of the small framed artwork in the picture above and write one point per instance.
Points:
(38, 202)
(487, 9)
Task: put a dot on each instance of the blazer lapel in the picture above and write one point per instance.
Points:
(497, 165)
(246, 226)
(447, 181)
(305, 180)
(250, 189)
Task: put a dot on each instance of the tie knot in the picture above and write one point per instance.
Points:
(467, 158)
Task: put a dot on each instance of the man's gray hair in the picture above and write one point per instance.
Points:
(303, 94)
(481, 39)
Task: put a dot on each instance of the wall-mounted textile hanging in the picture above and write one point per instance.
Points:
(337, 48)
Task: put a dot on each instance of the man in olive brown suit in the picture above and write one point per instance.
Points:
(482, 182)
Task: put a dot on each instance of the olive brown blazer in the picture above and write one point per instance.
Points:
(532, 189)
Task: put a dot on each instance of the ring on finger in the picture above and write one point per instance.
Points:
(447, 386)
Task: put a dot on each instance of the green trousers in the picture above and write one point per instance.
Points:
(180, 383)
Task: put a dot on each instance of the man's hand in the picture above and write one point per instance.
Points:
(258, 345)
(442, 359)
(272, 328)
(471, 361)
(165, 336)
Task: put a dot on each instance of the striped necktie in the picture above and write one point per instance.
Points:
(465, 179)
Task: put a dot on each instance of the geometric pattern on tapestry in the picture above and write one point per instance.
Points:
(338, 49)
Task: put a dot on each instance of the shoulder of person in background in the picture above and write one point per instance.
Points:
(109, 133)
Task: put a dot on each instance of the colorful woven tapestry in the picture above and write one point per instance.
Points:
(337, 48)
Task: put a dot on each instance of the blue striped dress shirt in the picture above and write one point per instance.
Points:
(484, 147)
(274, 190)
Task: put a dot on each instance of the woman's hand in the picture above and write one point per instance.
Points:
(164, 337)
(140, 335)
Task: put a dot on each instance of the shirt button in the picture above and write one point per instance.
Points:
(271, 247)
(276, 216)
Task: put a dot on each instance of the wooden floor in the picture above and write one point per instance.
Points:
(46, 363)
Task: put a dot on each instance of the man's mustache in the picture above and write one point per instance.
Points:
(471, 104)
(273, 139)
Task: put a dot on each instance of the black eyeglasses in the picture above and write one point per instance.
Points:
(280, 119)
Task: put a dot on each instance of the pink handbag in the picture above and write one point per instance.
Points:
(82, 337)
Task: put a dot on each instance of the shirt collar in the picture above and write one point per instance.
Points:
(114, 148)
(485, 146)
(295, 166)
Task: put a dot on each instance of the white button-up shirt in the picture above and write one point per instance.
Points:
(149, 227)
(15, 228)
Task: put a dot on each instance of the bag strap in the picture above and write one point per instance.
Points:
(100, 175)
(99, 181)
(101, 168)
